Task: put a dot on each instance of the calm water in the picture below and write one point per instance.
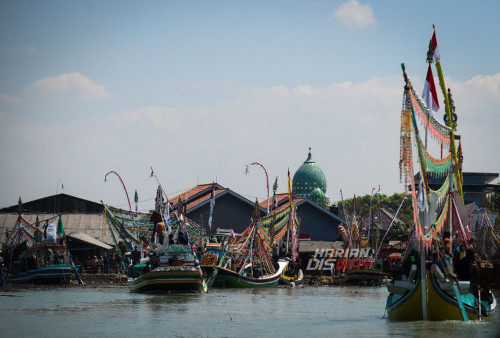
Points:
(307, 311)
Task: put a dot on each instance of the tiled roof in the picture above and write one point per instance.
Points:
(190, 193)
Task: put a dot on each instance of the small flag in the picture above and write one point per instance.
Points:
(434, 46)
(212, 204)
(152, 173)
(275, 188)
(430, 93)
(51, 234)
(421, 197)
(60, 227)
(290, 191)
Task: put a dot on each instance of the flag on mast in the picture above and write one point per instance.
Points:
(212, 204)
(434, 46)
(429, 93)
(290, 197)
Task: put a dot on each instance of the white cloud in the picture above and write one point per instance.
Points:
(355, 15)
(73, 85)
(352, 127)
(154, 116)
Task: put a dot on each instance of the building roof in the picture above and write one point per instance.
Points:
(200, 195)
(60, 203)
(488, 177)
(91, 240)
(91, 224)
(308, 177)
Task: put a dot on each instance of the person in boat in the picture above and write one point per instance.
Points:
(467, 268)
(171, 239)
(181, 238)
(155, 219)
(154, 260)
(136, 256)
(160, 231)
(282, 252)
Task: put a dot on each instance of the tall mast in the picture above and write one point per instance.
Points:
(449, 122)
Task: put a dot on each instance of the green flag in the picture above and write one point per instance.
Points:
(60, 228)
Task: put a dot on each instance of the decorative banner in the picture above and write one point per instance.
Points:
(438, 130)
(440, 166)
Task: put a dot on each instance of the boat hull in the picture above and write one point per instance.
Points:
(50, 274)
(288, 280)
(440, 305)
(168, 281)
(225, 278)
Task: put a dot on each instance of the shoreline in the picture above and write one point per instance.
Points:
(120, 280)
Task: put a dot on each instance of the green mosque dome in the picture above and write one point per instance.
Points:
(319, 197)
(308, 177)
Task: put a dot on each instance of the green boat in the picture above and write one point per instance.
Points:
(226, 278)
(178, 271)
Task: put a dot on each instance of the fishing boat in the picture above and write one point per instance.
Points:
(292, 275)
(36, 257)
(362, 269)
(241, 262)
(36, 266)
(167, 238)
(172, 268)
(431, 288)
(251, 258)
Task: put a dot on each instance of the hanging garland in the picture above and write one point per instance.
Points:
(439, 131)
(405, 151)
(436, 227)
(440, 166)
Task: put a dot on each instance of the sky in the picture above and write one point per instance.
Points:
(198, 90)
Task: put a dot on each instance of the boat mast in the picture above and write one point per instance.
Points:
(449, 121)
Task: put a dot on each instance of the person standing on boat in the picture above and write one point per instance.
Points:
(136, 256)
(155, 218)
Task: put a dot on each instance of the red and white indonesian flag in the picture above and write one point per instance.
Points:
(434, 46)
(430, 93)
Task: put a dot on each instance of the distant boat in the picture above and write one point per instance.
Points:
(177, 272)
(33, 260)
(226, 278)
(292, 275)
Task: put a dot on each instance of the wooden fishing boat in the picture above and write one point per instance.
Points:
(292, 275)
(230, 279)
(247, 260)
(431, 290)
(405, 302)
(178, 271)
(37, 260)
(50, 274)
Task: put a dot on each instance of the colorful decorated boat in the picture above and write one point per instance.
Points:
(36, 256)
(431, 288)
(49, 274)
(249, 278)
(171, 268)
(251, 258)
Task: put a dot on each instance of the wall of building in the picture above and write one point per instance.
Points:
(319, 225)
(228, 211)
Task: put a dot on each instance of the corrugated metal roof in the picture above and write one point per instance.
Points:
(88, 239)
(90, 224)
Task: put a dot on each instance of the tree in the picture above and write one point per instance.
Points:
(360, 206)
